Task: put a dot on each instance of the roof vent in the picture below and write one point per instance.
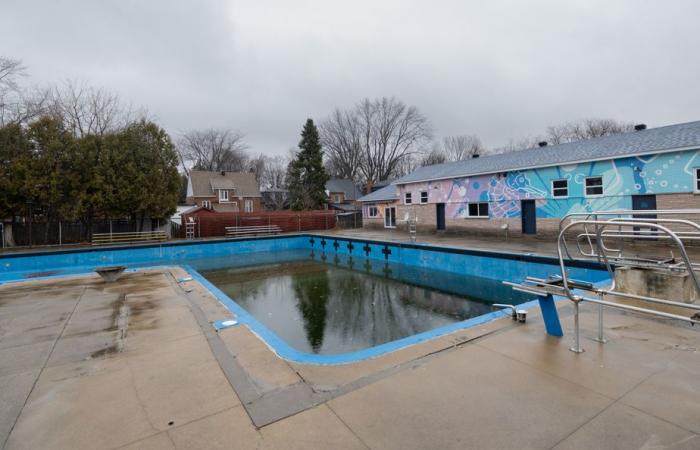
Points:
(542, 143)
(475, 155)
(223, 173)
(640, 127)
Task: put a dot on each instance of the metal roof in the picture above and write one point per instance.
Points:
(384, 194)
(652, 140)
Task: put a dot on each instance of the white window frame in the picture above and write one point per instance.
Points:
(408, 198)
(585, 186)
(223, 195)
(478, 216)
(552, 190)
(426, 197)
(206, 204)
(696, 179)
(247, 205)
(372, 208)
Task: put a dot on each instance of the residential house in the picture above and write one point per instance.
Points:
(379, 208)
(343, 195)
(529, 191)
(224, 191)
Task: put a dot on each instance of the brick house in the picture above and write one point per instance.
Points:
(224, 191)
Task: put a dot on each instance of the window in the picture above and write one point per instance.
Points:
(372, 211)
(560, 188)
(424, 197)
(594, 186)
(697, 179)
(478, 209)
(248, 206)
(337, 198)
(223, 195)
(206, 204)
(407, 198)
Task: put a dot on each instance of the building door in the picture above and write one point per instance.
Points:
(641, 203)
(389, 217)
(529, 216)
(440, 216)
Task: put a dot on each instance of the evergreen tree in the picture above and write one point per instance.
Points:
(306, 176)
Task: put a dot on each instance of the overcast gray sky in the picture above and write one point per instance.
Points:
(497, 69)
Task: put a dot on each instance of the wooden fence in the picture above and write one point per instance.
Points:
(209, 224)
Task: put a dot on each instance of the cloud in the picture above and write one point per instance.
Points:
(497, 69)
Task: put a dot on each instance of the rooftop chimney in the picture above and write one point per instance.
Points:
(475, 155)
(640, 127)
(542, 143)
(223, 173)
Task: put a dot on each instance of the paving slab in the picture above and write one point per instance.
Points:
(469, 398)
(635, 350)
(621, 427)
(315, 428)
(99, 411)
(225, 430)
(180, 382)
(674, 394)
(159, 441)
(266, 370)
(24, 357)
(14, 391)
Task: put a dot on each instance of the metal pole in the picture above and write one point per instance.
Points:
(60, 238)
(577, 331)
(600, 337)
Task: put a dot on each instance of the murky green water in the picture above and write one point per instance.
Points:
(338, 306)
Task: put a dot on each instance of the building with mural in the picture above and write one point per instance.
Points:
(528, 191)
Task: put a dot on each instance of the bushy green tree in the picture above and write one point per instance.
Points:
(128, 173)
(306, 176)
(15, 168)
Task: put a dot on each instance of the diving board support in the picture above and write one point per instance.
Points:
(550, 315)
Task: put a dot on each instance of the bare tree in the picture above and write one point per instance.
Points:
(461, 147)
(86, 109)
(17, 104)
(585, 129)
(375, 140)
(11, 70)
(569, 132)
(391, 133)
(340, 136)
(213, 150)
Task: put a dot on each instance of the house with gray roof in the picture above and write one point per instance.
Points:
(342, 194)
(224, 191)
(529, 191)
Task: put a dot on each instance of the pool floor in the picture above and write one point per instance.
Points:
(338, 305)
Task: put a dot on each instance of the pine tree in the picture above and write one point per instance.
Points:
(306, 176)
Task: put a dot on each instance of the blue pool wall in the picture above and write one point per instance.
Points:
(493, 265)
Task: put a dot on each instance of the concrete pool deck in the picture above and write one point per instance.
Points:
(135, 364)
